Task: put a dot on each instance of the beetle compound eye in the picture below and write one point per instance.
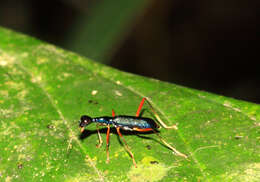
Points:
(84, 120)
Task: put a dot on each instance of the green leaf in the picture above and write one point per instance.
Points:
(44, 90)
(98, 34)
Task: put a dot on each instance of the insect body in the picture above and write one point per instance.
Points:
(131, 123)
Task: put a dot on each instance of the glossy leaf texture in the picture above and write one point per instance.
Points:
(44, 90)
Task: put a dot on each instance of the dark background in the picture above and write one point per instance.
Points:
(205, 44)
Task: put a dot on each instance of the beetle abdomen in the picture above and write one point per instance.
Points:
(130, 122)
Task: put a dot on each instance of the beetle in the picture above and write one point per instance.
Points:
(130, 123)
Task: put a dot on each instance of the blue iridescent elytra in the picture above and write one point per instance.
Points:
(124, 122)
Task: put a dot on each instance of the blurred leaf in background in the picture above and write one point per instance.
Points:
(208, 45)
(99, 34)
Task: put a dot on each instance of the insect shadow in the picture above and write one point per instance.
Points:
(86, 133)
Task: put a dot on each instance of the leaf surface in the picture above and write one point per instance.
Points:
(44, 90)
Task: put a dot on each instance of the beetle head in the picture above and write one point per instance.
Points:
(84, 121)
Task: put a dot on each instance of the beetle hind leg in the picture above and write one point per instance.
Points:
(140, 107)
(170, 147)
(113, 113)
(157, 116)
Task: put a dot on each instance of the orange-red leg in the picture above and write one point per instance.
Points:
(140, 107)
(113, 113)
(126, 146)
(107, 148)
(108, 132)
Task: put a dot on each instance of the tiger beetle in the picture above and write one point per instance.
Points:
(130, 123)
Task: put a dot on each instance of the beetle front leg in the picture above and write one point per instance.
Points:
(99, 138)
